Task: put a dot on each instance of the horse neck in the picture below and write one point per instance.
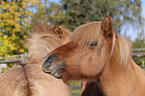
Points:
(116, 79)
(37, 58)
(38, 51)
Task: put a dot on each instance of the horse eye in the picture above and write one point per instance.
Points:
(92, 44)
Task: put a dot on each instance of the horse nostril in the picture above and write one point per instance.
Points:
(47, 65)
(49, 61)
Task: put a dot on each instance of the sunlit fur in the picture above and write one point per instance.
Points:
(109, 61)
(124, 49)
(30, 80)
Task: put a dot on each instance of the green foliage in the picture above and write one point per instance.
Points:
(15, 17)
(140, 40)
(139, 43)
(50, 13)
(122, 12)
(13, 26)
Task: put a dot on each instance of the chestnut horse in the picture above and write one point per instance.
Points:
(30, 80)
(97, 52)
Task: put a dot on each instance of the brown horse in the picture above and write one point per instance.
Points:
(30, 80)
(90, 88)
(96, 52)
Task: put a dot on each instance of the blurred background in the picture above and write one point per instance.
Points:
(17, 16)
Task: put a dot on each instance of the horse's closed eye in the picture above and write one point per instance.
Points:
(92, 44)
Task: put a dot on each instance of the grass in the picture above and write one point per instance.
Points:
(75, 92)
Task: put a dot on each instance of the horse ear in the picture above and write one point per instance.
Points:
(37, 27)
(58, 31)
(86, 22)
(107, 27)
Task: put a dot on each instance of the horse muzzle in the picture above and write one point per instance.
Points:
(51, 66)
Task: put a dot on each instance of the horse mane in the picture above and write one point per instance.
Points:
(43, 40)
(124, 49)
(92, 32)
(87, 33)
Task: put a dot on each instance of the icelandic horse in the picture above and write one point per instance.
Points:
(90, 88)
(30, 80)
(96, 52)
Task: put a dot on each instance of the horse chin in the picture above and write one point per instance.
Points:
(56, 70)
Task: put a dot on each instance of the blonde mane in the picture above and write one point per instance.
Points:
(44, 41)
(124, 49)
(87, 33)
(92, 32)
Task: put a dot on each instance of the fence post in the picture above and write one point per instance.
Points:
(24, 59)
(143, 63)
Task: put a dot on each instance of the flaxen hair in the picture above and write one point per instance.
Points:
(42, 41)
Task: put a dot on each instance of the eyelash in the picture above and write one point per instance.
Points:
(92, 44)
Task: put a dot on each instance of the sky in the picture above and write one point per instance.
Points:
(130, 32)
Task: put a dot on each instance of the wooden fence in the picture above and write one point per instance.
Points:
(23, 57)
